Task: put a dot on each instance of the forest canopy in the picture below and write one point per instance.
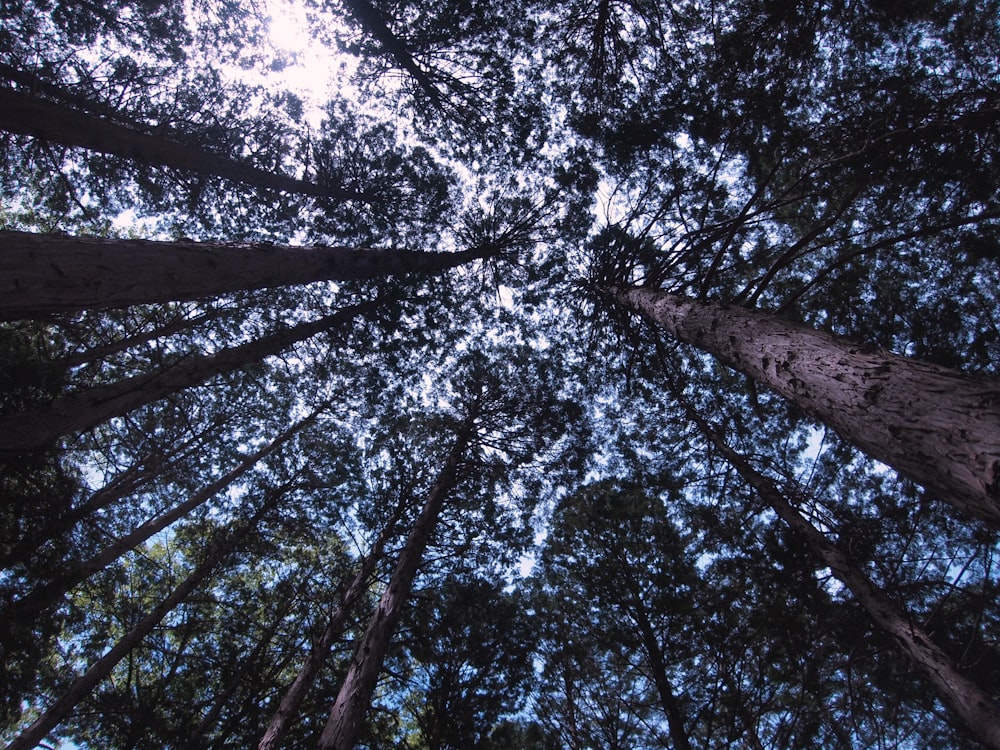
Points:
(459, 374)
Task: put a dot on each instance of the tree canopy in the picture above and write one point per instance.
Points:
(596, 374)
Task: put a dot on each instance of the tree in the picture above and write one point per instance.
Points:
(876, 400)
(45, 273)
(968, 700)
(100, 669)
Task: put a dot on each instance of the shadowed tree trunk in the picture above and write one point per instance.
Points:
(26, 114)
(83, 686)
(933, 425)
(962, 695)
(41, 274)
(296, 693)
(355, 693)
(76, 412)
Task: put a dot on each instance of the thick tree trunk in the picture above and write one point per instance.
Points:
(355, 694)
(26, 114)
(26, 431)
(48, 594)
(41, 274)
(933, 425)
(79, 690)
(962, 695)
(296, 693)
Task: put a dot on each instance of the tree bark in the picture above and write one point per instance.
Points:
(48, 594)
(288, 708)
(26, 114)
(76, 412)
(933, 425)
(79, 690)
(41, 274)
(355, 693)
(962, 695)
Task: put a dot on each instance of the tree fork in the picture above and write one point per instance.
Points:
(936, 426)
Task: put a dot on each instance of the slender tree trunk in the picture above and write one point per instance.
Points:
(76, 412)
(128, 342)
(355, 694)
(933, 425)
(153, 464)
(245, 667)
(41, 274)
(371, 20)
(296, 693)
(26, 114)
(657, 663)
(80, 689)
(50, 593)
(962, 695)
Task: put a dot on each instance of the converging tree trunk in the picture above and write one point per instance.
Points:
(27, 114)
(41, 274)
(962, 695)
(936, 426)
(355, 693)
(76, 412)
(291, 701)
(80, 689)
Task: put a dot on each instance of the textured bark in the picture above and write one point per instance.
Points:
(296, 693)
(41, 274)
(933, 425)
(80, 689)
(355, 693)
(26, 114)
(962, 695)
(48, 594)
(26, 431)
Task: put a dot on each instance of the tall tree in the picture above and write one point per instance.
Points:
(47, 273)
(980, 713)
(936, 426)
(84, 410)
(349, 709)
(58, 711)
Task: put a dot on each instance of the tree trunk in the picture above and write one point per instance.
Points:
(657, 663)
(80, 689)
(355, 694)
(154, 463)
(962, 695)
(176, 325)
(296, 693)
(26, 114)
(50, 593)
(41, 274)
(933, 425)
(76, 412)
